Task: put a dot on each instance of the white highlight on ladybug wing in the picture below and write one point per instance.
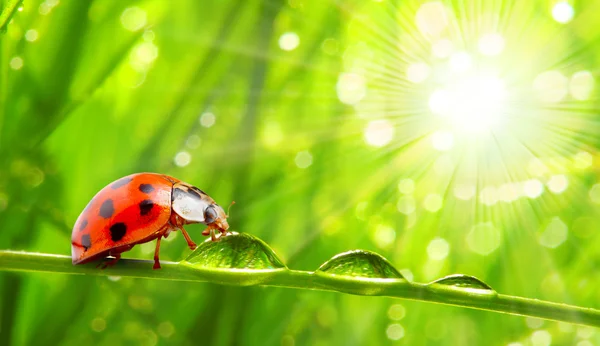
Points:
(189, 207)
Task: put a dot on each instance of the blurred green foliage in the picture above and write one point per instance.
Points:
(269, 103)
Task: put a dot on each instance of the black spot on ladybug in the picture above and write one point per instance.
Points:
(176, 194)
(121, 182)
(83, 225)
(117, 231)
(107, 209)
(146, 188)
(86, 241)
(182, 193)
(145, 206)
(198, 191)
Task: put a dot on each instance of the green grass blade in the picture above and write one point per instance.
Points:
(443, 294)
(8, 12)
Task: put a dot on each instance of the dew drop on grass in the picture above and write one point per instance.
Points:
(463, 282)
(360, 263)
(235, 251)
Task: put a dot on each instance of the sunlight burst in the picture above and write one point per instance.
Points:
(480, 115)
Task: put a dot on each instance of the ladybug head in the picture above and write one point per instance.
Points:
(214, 214)
(195, 206)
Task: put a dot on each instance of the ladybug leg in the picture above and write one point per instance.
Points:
(156, 260)
(210, 230)
(189, 240)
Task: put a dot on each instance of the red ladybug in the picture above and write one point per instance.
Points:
(137, 209)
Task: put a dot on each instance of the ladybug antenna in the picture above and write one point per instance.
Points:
(229, 208)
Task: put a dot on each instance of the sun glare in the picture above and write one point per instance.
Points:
(479, 114)
(474, 104)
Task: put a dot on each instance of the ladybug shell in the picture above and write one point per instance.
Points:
(134, 209)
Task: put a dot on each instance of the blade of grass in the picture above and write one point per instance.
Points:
(207, 62)
(8, 12)
(37, 262)
(96, 82)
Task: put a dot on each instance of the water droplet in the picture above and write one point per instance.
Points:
(303, 159)
(16, 63)
(351, 88)
(98, 324)
(581, 85)
(554, 235)
(395, 331)
(31, 35)
(583, 160)
(207, 119)
(406, 205)
(360, 263)
(133, 18)
(484, 238)
(379, 133)
(396, 312)
(557, 184)
(406, 186)
(462, 281)
(384, 236)
(541, 338)
(534, 323)
(193, 141)
(433, 202)
(432, 18)
(235, 251)
(44, 8)
(148, 36)
(289, 41)
(563, 12)
(438, 249)
(166, 329)
(183, 158)
(585, 332)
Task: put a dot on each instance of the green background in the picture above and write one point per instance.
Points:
(101, 89)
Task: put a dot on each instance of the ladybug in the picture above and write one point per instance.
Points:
(137, 209)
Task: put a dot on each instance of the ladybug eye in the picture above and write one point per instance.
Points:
(210, 215)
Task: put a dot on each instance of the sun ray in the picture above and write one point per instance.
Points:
(485, 107)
